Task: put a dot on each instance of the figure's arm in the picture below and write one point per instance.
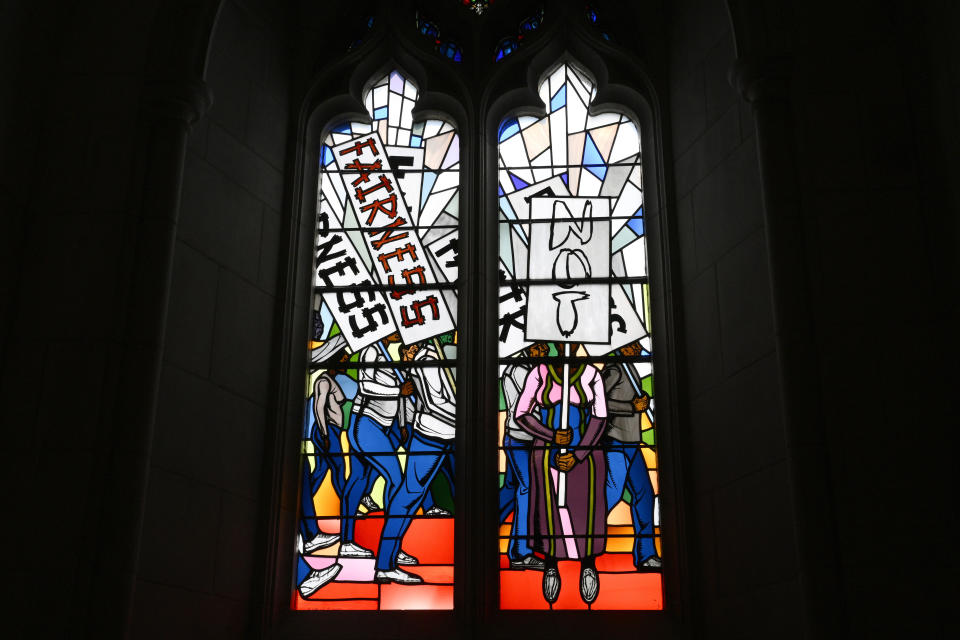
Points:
(511, 391)
(612, 377)
(320, 394)
(369, 385)
(437, 399)
(335, 408)
(525, 407)
(598, 419)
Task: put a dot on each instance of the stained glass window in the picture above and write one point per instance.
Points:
(579, 506)
(527, 26)
(429, 29)
(376, 513)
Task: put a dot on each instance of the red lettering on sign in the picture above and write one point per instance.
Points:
(409, 250)
(417, 307)
(369, 142)
(381, 206)
(383, 184)
(406, 275)
(364, 169)
(387, 235)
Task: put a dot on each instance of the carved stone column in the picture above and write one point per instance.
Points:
(168, 110)
(765, 84)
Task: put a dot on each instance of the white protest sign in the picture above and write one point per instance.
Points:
(363, 316)
(399, 257)
(513, 312)
(569, 242)
(626, 325)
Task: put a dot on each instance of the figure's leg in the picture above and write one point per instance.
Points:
(518, 460)
(308, 513)
(335, 461)
(508, 492)
(618, 463)
(638, 481)
(355, 486)
(381, 449)
(423, 461)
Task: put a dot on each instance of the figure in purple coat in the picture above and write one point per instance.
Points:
(578, 530)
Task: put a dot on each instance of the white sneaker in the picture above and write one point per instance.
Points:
(397, 575)
(436, 512)
(353, 550)
(321, 541)
(317, 579)
(405, 558)
(653, 562)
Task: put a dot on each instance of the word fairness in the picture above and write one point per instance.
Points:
(397, 252)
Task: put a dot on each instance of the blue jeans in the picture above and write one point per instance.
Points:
(424, 459)
(448, 471)
(373, 448)
(331, 460)
(626, 467)
(515, 495)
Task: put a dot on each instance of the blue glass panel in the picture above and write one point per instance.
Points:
(559, 100)
(517, 182)
(380, 113)
(591, 156)
(342, 128)
(636, 222)
(416, 141)
(326, 155)
(566, 178)
(429, 178)
(508, 128)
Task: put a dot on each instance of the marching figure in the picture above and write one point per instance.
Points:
(322, 435)
(577, 530)
(515, 493)
(625, 464)
(432, 443)
(377, 429)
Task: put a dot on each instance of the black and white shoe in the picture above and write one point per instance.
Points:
(397, 575)
(551, 585)
(317, 579)
(353, 550)
(321, 541)
(652, 562)
(589, 584)
(530, 562)
(405, 558)
(370, 504)
(436, 512)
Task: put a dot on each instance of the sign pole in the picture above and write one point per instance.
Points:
(564, 424)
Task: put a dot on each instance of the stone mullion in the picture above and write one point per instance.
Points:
(168, 111)
(765, 85)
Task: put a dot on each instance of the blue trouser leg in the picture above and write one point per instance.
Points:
(518, 463)
(626, 468)
(355, 487)
(379, 449)
(308, 513)
(638, 482)
(423, 462)
(508, 492)
(447, 471)
(332, 459)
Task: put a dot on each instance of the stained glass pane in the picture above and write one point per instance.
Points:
(579, 506)
(377, 465)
